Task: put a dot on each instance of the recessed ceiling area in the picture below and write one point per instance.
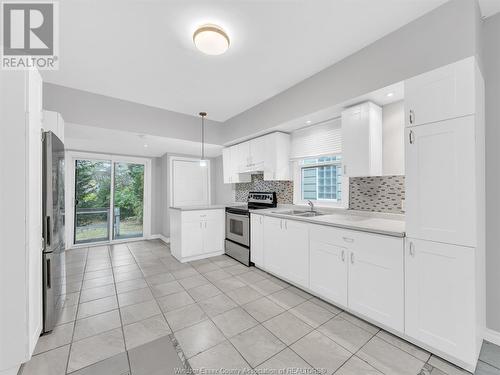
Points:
(143, 51)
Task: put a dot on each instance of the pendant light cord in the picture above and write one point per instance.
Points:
(203, 114)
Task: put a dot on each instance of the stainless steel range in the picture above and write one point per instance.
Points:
(238, 225)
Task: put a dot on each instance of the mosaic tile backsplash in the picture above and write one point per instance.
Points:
(283, 189)
(378, 194)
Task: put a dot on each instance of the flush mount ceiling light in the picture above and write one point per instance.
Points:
(390, 94)
(211, 39)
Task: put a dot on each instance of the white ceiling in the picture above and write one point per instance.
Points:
(142, 50)
(489, 7)
(96, 139)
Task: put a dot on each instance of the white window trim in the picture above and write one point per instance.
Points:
(297, 188)
(69, 200)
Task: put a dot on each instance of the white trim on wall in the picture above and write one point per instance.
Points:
(492, 336)
(71, 157)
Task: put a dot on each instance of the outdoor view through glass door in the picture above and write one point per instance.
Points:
(109, 200)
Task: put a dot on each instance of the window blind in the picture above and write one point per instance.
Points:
(317, 140)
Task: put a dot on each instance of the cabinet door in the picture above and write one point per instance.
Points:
(226, 165)
(274, 254)
(213, 235)
(295, 246)
(440, 297)
(376, 280)
(444, 93)
(257, 239)
(257, 153)
(192, 238)
(328, 266)
(238, 162)
(440, 182)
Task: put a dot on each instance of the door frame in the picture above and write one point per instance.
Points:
(69, 186)
(171, 181)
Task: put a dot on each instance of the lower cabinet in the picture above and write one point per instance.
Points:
(196, 234)
(440, 297)
(286, 249)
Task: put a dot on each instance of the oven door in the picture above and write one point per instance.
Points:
(238, 228)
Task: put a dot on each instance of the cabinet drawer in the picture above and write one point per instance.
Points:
(333, 236)
(208, 215)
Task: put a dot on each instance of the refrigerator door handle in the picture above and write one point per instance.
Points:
(49, 276)
(47, 234)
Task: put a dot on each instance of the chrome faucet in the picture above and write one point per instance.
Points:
(311, 204)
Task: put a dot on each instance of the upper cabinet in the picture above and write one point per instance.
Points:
(362, 140)
(269, 154)
(441, 94)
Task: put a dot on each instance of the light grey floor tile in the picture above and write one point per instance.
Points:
(100, 281)
(404, 345)
(129, 285)
(350, 336)
(446, 367)
(140, 311)
(116, 365)
(199, 337)
(356, 366)
(263, 309)
(97, 306)
(312, 314)
(193, 281)
(234, 321)
(135, 296)
(98, 274)
(285, 362)
(154, 269)
(157, 357)
(217, 305)
(96, 293)
(250, 277)
(286, 298)
(236, 269)
(287, 327)
(175, 301)
(327, 306)
(160, 279)
(204, 268)
(231, 283)
(217, 274)
(490, 353)
(60, 336)
(221, 356)
(96, 348)
(69, 299)
(185, 317)
(96, 324)
(225, 262)
(123, 269)
(359, 322)
(257, 345)
(185, 273)
(330, 357)
(244, 295)
(266, 286)
(389, 359)
(128, 276)
(203, 292)
(52, 362)
(300, 292)
(485, 369)
(145, 331)
(67, 314)
(171, 287)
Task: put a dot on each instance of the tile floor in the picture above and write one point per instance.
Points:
(134, 309)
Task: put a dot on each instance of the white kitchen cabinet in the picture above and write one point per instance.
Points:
(327, 265)
(444, 93)
(53, 121)
(269, 155)
(376, 279)
(286, 249)
(196, 234)
(257, 239)
(440, 181)
(440, 298)
(362, 140)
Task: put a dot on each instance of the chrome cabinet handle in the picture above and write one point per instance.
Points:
(352, 258)
(281, 224)
(205, 225)
(286, 224)
(348, 239)
(343, 255)
(411, 136)
(412, 116)
(412, 249)
(260, 219)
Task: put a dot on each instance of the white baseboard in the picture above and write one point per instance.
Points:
(159, 237)
(492, 336)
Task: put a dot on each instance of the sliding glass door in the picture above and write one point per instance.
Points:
(109, 200)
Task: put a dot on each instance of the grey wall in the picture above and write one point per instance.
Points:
(156, 195)
(393, 125)
(85, 108)
(492, 80)
(445, 35)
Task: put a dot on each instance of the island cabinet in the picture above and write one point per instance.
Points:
(196, 234)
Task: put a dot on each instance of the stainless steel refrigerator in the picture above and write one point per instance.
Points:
(54, 273)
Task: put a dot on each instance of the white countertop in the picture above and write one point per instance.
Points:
(372, 222)
(200, 208)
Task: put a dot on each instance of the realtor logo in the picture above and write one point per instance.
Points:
(30, 35)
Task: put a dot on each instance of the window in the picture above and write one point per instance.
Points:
(321, 178)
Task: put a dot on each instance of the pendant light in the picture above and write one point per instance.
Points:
(203, 161)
